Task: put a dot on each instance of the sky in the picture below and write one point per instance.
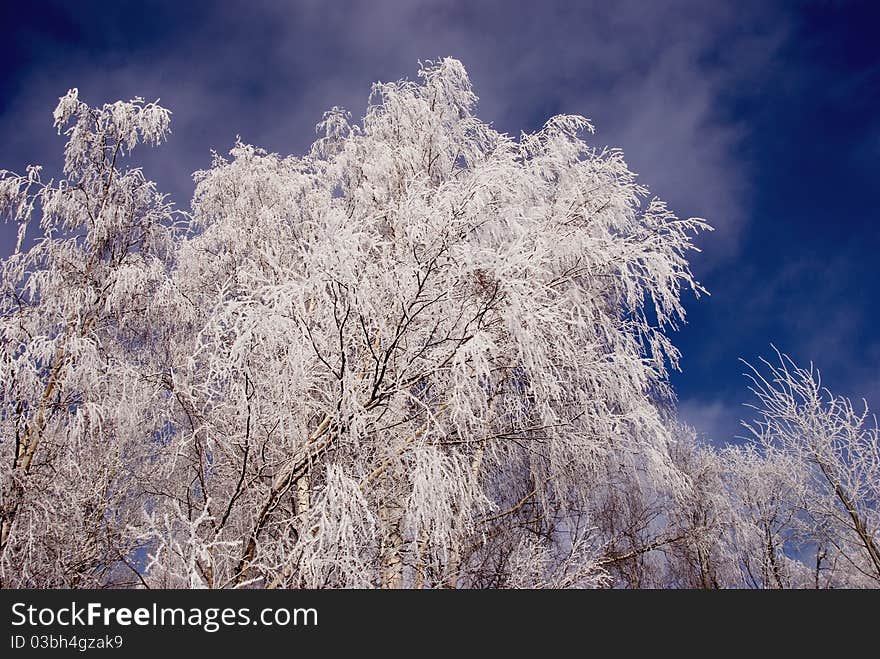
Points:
(760, 117)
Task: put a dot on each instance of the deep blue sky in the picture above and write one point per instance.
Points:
(760, 117)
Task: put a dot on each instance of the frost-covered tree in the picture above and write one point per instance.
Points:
(796, 506)
(424, 354)
(77, 410)
(402, 358)
(830, 474)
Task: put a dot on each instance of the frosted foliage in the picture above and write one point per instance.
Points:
(535, 563)
(424, 354)
(339, 531)
(766, 500)
(444, 496)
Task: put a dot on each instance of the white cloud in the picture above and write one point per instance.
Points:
(650, 74)
(718, 421)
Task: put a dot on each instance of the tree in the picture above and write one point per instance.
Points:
(833, 468)
(77, 413)
(412, 347)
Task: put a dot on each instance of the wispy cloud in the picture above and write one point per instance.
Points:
(653, 77)
(716, 421)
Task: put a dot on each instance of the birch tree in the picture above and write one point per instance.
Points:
(77, 413)
(833, 453)
(400, 358)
